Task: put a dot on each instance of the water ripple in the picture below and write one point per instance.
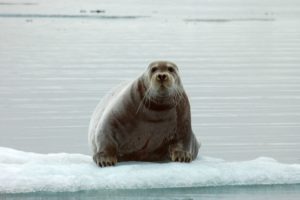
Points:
(65, 16)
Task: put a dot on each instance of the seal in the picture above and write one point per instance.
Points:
(148, 119)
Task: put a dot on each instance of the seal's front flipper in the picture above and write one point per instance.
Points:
(103, 160)
(180, 156)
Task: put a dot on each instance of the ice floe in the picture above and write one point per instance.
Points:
(22, 172)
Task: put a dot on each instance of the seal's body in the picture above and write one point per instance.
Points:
(148, 119)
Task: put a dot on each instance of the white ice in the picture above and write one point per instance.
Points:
(31, 172)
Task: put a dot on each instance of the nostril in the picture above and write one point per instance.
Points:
(159, 77)
(162, 77)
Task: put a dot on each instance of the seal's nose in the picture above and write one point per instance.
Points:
(162, 77)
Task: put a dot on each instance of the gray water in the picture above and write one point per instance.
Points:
(239, 61)
(290, 192)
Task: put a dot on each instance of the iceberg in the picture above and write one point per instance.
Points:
(24, 172)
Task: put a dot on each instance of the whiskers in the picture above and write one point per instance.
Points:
(173, 98)
(178, 96)
(147, 98)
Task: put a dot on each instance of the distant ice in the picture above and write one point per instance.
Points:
(31, 172)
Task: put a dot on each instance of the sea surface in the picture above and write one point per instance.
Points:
(239, 61)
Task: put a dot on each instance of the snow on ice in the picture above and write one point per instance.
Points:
(32, 172)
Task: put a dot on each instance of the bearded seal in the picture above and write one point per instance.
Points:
(148, 119)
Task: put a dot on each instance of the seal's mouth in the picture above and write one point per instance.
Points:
(163, 91)
(164, 85)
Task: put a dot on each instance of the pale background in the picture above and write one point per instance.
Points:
(239, 62)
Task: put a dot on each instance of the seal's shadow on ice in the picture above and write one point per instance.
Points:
(148, 119)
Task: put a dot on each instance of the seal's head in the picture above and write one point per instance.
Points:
(163, 79)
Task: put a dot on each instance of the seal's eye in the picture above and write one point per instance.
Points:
(154, 69)
(170, 69)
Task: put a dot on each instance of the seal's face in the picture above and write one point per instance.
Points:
(163, 79)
